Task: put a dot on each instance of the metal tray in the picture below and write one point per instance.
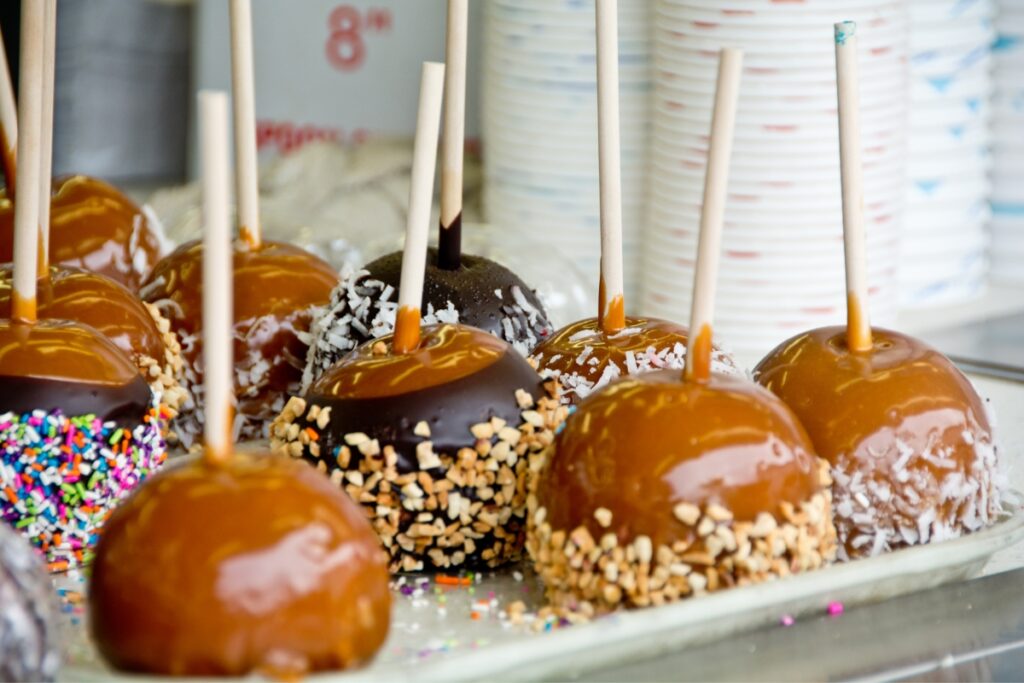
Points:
(445, 630)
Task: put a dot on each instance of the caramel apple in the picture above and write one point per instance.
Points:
(80, 428)
(908, 438)
(660, 488)
(29, 645)
(94, 226)
(235, 563)
(258, 565)
(583, 357)
(138, 329)
(434, 442)
(278, 289)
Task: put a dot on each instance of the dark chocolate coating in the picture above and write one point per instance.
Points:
(450, 409)
(28, 628)
(470, 289)
(58, 364)
(124, 404)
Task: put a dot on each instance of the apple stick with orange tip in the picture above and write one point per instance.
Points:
(26, 210)
(453, 143)
(218, 336)
(612, 310)
(8, 122)
(244, 98)
(421, 193)
(716, 178)
(858, 323)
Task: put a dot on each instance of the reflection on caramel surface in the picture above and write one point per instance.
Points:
(61, 350)
(97, 301)
(277, 279)
(275, 290)
(646, 443)
(908, 438)
(446, 353)
(57, 364)
(92, 226)
(561, 351)
(859, 403)
(260, 565)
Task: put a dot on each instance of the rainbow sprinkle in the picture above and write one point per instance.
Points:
(60, 476)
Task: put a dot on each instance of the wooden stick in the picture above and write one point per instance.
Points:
(449, 245)
(612, 314)
(218, 333)
(421, 194)
(8, 123)
(46, 142)
(26, 209)
(716, 182)
(858, 324)
(243, 86)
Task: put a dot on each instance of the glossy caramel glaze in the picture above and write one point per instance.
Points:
(648, 443)
(856, 403)
(262, 565)
(97, 301)
(907, 436)
(580, 354)
(459, 377)
(276, 288)
(446, 353)
(59, 364)
(93, 226)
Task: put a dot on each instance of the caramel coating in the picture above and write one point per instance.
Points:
(901, 427)
(61, 350)
(54, 364)
(446, 353)
(262, 565)
(93, 226)
(647, 443)
(277, 287)
(97, 301)
(585, 358)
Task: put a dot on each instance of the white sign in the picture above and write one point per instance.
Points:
(333, 69)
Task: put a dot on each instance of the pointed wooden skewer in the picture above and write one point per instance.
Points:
(612, 306)
(26, 208)
(421, 194)
(858, 322)
(243, 89)
(716, 181)
(449, 245)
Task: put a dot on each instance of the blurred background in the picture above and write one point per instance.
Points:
(336, 85)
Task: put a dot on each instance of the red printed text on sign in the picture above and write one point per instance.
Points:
(347, 28)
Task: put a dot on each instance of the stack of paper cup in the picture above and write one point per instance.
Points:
(782, 259)
(945, 241)
(539, 119)
(1008, 145)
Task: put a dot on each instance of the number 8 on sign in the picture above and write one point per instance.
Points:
(346, 48)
